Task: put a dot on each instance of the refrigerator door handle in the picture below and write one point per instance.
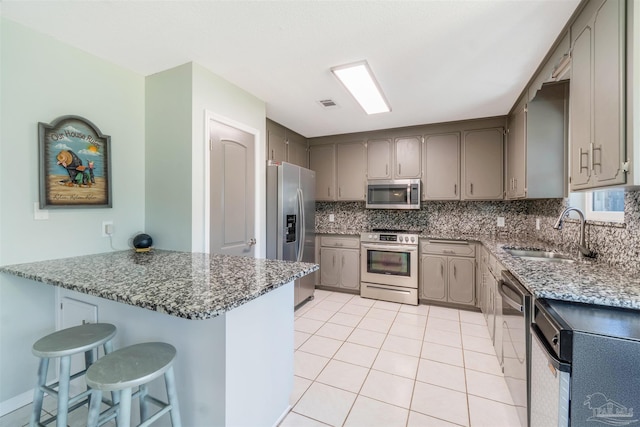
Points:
(302, 236)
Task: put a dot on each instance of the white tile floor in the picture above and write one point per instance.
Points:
(360, 362)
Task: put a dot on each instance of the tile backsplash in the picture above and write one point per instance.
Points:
(615, 244)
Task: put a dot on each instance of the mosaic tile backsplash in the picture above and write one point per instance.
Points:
(615, 244)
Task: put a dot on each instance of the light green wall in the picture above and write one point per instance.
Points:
(212, 94)
(177, 101)
(168, 158)
(42, 79)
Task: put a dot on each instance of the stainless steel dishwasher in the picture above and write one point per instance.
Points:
(516, 318)
(585, 365)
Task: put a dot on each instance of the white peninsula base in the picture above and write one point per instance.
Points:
(235, 369)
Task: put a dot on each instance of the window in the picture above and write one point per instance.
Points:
(604, 205)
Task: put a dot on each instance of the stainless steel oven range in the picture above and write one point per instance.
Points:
(389, 266)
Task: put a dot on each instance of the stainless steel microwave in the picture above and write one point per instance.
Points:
(393, 194)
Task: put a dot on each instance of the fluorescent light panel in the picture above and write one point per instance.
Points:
(360, 82)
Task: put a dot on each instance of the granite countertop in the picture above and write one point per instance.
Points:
(582, 281)
(586, 282)
(182, 284)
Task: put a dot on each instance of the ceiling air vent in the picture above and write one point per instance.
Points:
(328, 104)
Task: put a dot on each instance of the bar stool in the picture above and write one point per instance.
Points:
(64, 344)
(128, 367)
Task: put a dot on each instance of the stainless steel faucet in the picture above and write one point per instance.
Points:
(582, 244)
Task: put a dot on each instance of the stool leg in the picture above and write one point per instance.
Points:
(170, 383)
(94, 408)
(124, 415)
(144, 406)
(38, 393)
(63, 390)
(115, 396)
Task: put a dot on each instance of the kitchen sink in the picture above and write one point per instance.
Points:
(539, 255)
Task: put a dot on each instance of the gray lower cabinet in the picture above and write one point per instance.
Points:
(597, 110)
(340, 262)
(447, 272)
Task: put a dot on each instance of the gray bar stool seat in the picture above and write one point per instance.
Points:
(129, 367)
(63, 344)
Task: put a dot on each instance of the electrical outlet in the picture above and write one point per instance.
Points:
(500, 221)
(537, 223)
(107, 228)
(332, 217)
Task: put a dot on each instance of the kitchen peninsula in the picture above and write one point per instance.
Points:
(230, 318)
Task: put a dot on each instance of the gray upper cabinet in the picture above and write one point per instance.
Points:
(441, 160)
(297, 150)
(407, 157)
(397, 158)
(482, 164)
(351, 165)
(276, 142)
(536, 138)
(379, 158)
(516, 153)
(285, 145)
(597, 110)
(322, 161)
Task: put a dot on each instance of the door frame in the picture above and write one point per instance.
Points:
(200, 235)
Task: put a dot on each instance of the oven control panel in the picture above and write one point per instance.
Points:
(405, 239)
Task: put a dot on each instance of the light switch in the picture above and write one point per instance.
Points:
(500, 221)
(332, 217)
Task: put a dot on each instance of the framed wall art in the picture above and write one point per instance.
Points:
(75, 164)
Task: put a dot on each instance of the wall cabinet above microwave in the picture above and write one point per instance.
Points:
(394, 158)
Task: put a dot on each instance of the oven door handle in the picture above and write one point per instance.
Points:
(394, 248)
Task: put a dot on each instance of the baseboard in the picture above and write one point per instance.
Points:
(16, 402)
(282, 417)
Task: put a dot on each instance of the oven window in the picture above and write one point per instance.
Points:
(389, 262)
(387, 195)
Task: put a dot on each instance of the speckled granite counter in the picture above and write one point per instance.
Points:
(182, 284)
(587, 282)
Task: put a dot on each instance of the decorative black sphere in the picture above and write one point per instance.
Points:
(142, 241)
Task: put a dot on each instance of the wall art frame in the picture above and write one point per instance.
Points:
(74, 163)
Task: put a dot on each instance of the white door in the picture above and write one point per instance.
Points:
(232, 202)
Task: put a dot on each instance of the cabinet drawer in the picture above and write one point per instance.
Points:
(495, 267)
(448, 247)
(340, 242)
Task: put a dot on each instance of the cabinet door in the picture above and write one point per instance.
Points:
(434, 277)
(597, 98)
(608, 94)
(407, 157)
(580, 109)
(461, 283)
(297, 150)
(276, 144)
(322, 161)
(441, 178)
(350, 269)
(379, 159)
(351, 170)
(482, 177)
(516, 154)
(329, 267)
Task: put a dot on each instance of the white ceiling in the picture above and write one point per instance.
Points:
(436, 61)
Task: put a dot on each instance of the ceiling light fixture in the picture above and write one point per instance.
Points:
(358, 79)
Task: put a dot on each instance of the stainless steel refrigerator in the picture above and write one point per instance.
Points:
(291, 207)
